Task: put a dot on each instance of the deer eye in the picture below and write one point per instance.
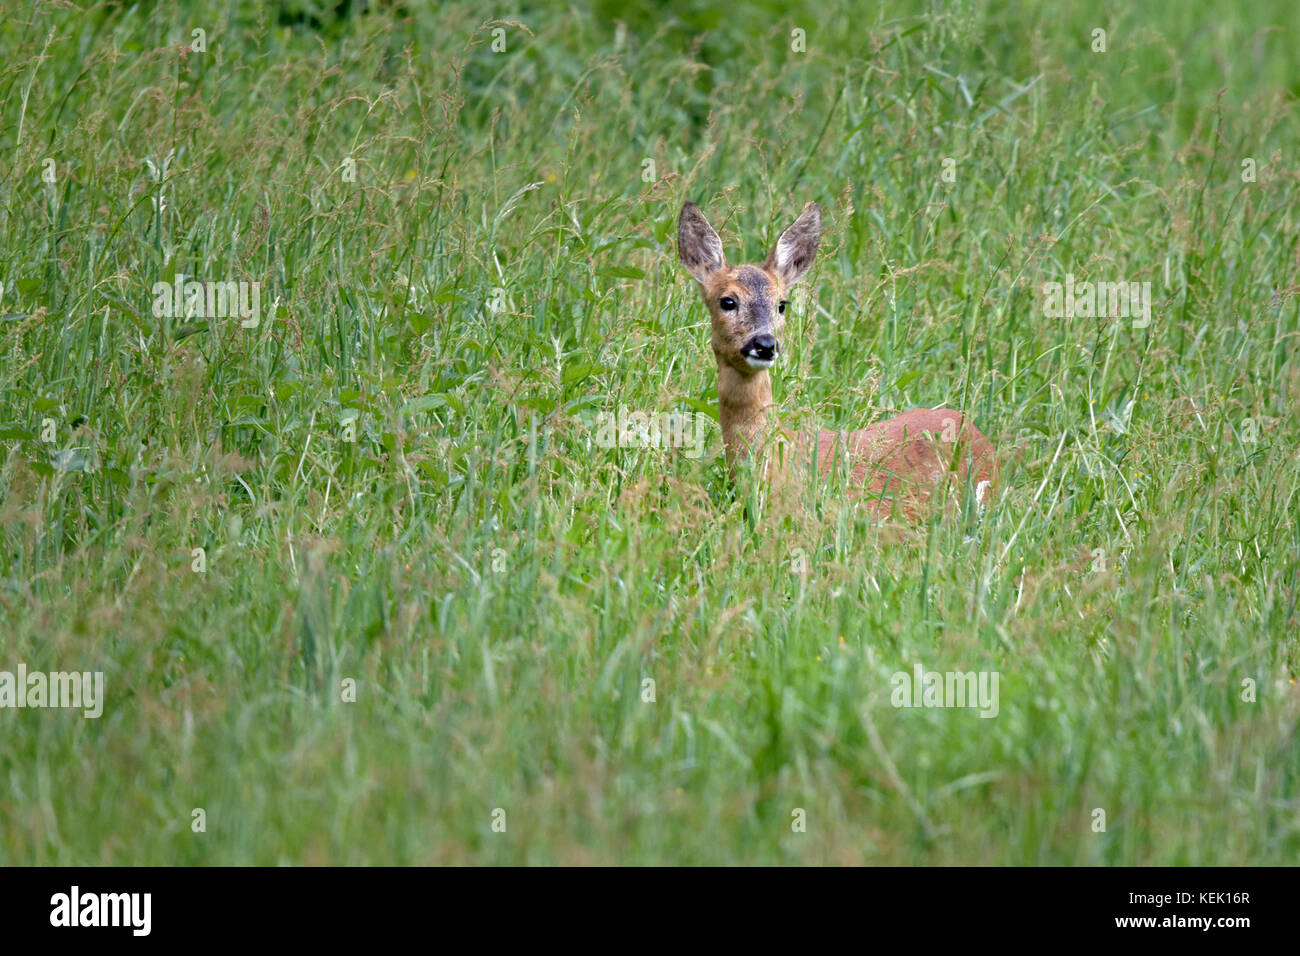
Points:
(728, 303)
(781, 307)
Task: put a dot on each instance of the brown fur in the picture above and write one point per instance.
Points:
(900, 462)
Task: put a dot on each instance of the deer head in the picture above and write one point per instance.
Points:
(747, 303)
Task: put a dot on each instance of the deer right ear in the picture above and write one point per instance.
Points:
(797, 247)
(698, 246)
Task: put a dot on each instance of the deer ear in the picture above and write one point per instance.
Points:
(797, 247)
(698, 246)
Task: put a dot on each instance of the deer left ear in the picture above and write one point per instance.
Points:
(698, 245)
(797, 247)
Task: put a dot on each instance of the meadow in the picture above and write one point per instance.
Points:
(366, 585)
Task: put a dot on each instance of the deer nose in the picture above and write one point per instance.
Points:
(762, 347)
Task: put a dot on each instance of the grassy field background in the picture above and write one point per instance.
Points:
(466, 255)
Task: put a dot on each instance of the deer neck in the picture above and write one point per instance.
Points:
(744, 403)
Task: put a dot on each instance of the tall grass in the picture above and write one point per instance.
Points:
(466, 256)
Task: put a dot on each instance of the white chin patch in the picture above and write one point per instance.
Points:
(758, 362)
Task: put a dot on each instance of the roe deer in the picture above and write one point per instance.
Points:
(902, 459)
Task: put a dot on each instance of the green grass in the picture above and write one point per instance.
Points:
(498, 585)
